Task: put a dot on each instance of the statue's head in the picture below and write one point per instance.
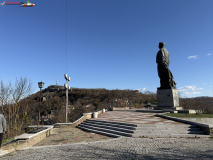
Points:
(161, 45)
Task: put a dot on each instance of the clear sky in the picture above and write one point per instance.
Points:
(111, 44)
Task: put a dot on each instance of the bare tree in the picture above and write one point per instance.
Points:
(23, 88)
(14, 107)
(5, 92)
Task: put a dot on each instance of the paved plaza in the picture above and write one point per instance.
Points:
(130, 116)
(121, 149)
(118, 148)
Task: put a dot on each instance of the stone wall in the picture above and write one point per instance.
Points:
(19, 144)
(208, 130)
(201, 120)
(76, 123)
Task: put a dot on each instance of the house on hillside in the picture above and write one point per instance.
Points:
(120, 103)
(43, 98)
(54, 88)
(91, 106)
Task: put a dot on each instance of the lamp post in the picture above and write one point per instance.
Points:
(66, 87)
(40, 85)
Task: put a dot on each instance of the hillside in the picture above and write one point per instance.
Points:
(81, 100)
(203, 99)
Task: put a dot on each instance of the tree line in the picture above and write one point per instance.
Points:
(20, 105)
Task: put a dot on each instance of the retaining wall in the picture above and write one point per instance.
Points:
(25, 143)
(201, 120)
(208, 128)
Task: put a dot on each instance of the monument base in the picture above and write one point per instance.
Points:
(168, 101)
(167, 98)
(177, 110)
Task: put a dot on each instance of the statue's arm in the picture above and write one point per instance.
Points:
(163, 60)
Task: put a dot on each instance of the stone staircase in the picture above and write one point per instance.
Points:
(118, 129)
(168, 131)
(108, 128)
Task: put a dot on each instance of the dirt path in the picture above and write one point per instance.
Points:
(71, 135)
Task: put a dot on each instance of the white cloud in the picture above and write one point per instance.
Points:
(208, 54)
(199, 88)
(190, 90)
(192, 57)
(143, 89)
(204, 83)
(188, 93)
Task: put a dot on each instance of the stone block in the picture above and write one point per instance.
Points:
(160, 104)
(165, 91)
(176, 103)
(191, 111)
(168, 98)
(170, 104)
(161, 95)
(160, 99)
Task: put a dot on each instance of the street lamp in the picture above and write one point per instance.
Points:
(40, 85)
(66, 87)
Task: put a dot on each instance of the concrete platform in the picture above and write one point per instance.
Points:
(135, 116)
(168, 108)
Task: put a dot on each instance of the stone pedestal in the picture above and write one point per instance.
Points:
(167, 98)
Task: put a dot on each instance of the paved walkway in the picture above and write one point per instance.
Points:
(118, 148)
(130, 116)
(123, 149)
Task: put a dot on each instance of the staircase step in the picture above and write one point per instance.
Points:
(119, 129)
(109, 127)
(99, 132)
(106, 130)
(169, 132)
(169, 136)
(167, 125)
(107, 122)
(168, 129)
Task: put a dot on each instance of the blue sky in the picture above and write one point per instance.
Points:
(111, 44)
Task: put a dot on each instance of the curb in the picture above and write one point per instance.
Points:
(184, 121)
(203, 126)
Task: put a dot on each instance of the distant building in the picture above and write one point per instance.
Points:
(90, 106)
(119, 103)
(44, 98)
(54, 88)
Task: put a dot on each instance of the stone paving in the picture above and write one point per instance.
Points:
(117, 148)
(121, 149)
(133, 117)
(71, 135)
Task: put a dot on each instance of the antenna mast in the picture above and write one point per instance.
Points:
(66, 36)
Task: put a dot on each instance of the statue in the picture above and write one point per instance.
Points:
(166, 77)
